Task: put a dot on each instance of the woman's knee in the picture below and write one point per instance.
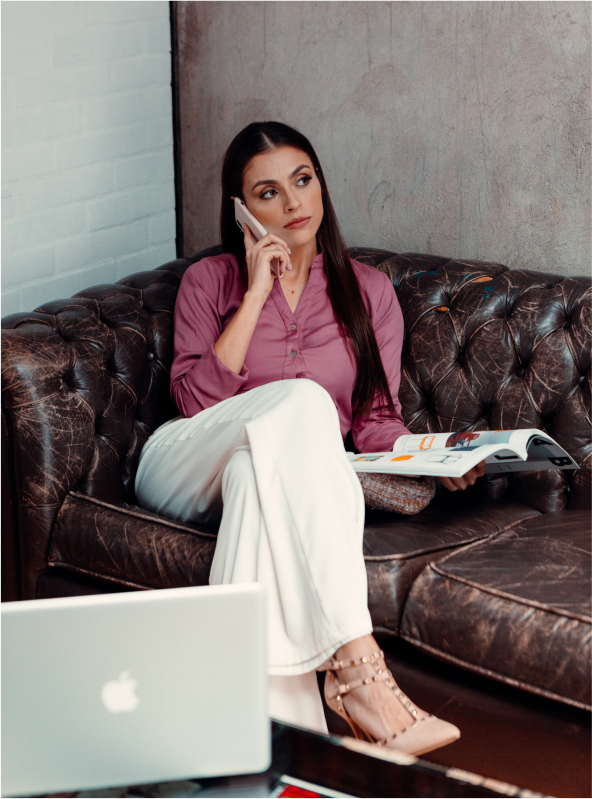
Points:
(305, 393)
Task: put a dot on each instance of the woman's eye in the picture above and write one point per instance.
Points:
(305, 178)
(268, 194)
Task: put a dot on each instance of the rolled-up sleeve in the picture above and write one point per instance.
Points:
(379, 431)
(199, 379)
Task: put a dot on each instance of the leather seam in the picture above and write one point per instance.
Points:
(494, 674)
(497, 533)
(419, 552)
(107, 443)
(469, 543)
(387, 632)
(97, 575)
(512, 597)
(420, 317)
(137, 515)
(115, 376)
(35, 506)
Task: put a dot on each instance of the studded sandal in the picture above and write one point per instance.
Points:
(424, 733)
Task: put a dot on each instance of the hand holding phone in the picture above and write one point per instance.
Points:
(242, 216)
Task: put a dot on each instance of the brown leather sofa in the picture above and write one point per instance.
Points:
(482, 600)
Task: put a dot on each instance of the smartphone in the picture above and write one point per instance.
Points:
(242, 215)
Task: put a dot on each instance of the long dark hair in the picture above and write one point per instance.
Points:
(342, 284)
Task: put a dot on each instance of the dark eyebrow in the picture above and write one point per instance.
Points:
(290, 176)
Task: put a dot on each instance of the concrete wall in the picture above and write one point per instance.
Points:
(87, 164)
(457, 128)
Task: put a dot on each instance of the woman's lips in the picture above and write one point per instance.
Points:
(300, 222)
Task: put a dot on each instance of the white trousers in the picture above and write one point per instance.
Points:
(270, 466)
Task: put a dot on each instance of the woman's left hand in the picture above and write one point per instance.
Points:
(468, 479)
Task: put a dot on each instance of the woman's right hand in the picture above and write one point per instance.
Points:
(234, 342)
(259, 256)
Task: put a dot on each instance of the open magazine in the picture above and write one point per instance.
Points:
(454, 454)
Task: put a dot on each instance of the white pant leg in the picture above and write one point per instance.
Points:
(296, 700)
(293, 699)
(302, 534)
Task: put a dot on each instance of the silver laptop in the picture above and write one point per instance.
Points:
(133, 688)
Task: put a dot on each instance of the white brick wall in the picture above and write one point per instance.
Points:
(87, 155)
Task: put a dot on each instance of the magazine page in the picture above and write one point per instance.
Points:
(440, 462)
(423, 441)
(466, 440)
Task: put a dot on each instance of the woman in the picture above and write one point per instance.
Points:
(269, 375)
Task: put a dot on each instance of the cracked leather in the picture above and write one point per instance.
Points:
(85, 381)
(129, 545)
(397, 547)
(516, 608)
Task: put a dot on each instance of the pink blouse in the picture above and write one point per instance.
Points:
(306, 343)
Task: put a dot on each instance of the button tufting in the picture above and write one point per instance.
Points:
(292, 327)
(293, 354)
(582, 380)
(520, 372)
(150, 356)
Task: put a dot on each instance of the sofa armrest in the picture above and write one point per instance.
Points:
(11, 562)
(85, 382)
(129, 546)
(51, 413)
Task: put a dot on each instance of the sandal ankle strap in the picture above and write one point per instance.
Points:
(336, 665)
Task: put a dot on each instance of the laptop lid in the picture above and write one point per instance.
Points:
(131, 688)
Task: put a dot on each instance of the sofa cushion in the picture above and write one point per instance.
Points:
(137, 548)
(398, 547)
(515, 607)
(129, 545)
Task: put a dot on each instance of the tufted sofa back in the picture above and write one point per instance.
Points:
(86, 380)
(489, 348)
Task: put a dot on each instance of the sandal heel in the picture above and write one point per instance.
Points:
(333, 700)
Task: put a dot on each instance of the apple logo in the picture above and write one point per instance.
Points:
(119, 696)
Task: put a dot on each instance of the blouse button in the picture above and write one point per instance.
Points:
(292, 327)
(293, 354)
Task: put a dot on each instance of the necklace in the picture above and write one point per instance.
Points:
(293, 291)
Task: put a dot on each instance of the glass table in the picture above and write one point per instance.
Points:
(309, 764)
